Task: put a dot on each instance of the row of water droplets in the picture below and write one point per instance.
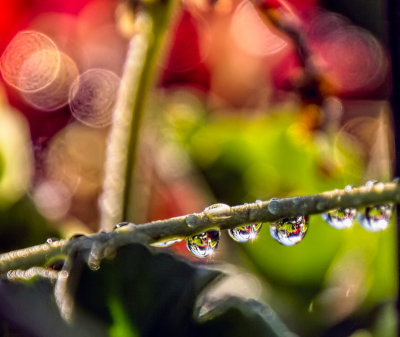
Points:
(373, 218)
(287, 231)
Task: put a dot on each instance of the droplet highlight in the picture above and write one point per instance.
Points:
(164, 244)
(245, 233)
(376, 218)
(204, 244)
(52, 241)
(289, 231)
(122, 224)
(218, 212)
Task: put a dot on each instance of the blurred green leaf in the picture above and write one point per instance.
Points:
(140, 293)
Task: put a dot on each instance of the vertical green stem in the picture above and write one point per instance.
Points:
(138, 78)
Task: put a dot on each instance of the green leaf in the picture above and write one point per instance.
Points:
(141, 293)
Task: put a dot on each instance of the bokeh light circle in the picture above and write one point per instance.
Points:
(56, 94)
(30, 62)
(92, 97)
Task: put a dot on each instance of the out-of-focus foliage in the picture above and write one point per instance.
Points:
(332, 274)
(15, 155)
(21, 224)
(137, 293)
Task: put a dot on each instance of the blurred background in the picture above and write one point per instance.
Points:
(253, 101)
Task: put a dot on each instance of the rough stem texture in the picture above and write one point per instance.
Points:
(137, 79)
(217, 217)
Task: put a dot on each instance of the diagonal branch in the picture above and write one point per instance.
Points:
(211, 218)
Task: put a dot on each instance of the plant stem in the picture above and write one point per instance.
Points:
(183, 226)
(137, 79)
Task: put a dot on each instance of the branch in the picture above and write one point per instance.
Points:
(139, 74)
(221, 218)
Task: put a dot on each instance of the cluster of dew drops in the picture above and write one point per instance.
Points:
(287, 231)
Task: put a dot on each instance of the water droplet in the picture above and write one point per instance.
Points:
(168, 243)
(274, 206)
(245, 233)
(218, 212)
(204, 244)
(370, 183)
(52, 241)
(340, 218)
(122, 224)
(259, 203)
(289, 231)
(376, 218)
(348, 188)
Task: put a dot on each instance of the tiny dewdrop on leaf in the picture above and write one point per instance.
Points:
(289, 231)
(204, 244)
(245, 233)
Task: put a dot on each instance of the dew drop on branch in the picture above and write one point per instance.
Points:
(218, 212)
(289, 231)
(92, 97)
(122, 224)
(340, 218)
(376, 218)
(245, 233)
(204, 244)
(53, 241)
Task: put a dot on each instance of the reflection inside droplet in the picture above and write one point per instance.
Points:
(92, 97)
(244, 233)
(204, 244)
(340, 218)
(289, 231)
(30, 62)
(376, 218)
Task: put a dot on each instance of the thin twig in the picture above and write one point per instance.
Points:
(219, 217)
